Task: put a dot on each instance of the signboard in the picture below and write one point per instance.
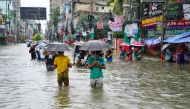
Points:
(152, 1)
(152, 9)
(2, 21)
(180, 23)
(152, 21)
(159, 26)
(117, 24)
(186, 11)
(174, 11)
(33, 13)
(2, 26)
(183, 1)
(100, 24)
(131, 29)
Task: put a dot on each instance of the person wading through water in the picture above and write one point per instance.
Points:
(62, 63)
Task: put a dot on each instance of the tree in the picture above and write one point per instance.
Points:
(118, 6)
(54, 17)
(37, 37)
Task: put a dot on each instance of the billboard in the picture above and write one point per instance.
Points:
(152, 9)
(186, 11)
(131, 29)
(33, 13)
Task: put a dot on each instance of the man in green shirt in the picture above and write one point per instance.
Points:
(96, 64)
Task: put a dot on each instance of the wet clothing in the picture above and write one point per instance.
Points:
(96, 82)
(32, 52)
(63, 78)
(108, 57)
(181, 59)
(168, 56)
(95, 71)
(135, 54)
(50, 67)
(49, 59)
(62, 63)
(122, 54)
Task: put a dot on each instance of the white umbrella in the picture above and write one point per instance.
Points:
(164, 47)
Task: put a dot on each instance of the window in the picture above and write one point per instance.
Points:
(97, 8)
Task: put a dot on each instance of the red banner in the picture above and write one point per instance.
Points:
(178, 23)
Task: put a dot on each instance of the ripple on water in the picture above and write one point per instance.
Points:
(146, 84)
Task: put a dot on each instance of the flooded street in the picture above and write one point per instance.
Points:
(147, 84)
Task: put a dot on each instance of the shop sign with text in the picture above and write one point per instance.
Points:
(152, 21)
(178, 23)
(152, 9)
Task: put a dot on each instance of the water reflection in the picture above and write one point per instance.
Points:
(62, 98)
(97, 95)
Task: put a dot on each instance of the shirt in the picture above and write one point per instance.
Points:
(62, 63)
(95, 71)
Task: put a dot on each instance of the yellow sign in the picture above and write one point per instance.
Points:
(152, 20)
(2, 21)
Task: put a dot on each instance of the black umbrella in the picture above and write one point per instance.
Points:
(95, 45)
(56, 47)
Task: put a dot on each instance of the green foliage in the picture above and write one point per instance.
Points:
(174, 11)
(118, 6)
(37, 37)
(54, 16)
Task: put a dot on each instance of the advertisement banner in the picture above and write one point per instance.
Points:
(117, 24)
(131, 29)
(152, 9)
(100, 25)
(152, 21)
(178, 23)
(186, 11)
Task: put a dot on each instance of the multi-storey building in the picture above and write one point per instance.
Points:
(6, 20)
(81, 9)
(16, 10)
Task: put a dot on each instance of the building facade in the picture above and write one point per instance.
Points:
(6, 24)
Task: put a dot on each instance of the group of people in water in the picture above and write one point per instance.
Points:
(128, 53)
(58, 60)
(80, 57)
(38, 52)
(95, 61)
(178, 54)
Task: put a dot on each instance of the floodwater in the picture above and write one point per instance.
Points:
(146, 84)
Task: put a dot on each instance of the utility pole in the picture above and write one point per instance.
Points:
(91, 4)
(163, 22)
(91, 18)
(130, 11)
(6, 29)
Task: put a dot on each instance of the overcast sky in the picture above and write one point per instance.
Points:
(37, 3)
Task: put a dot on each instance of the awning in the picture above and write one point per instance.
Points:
(177, 38)
(152, 41)
(182, 40)
(2, 27)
